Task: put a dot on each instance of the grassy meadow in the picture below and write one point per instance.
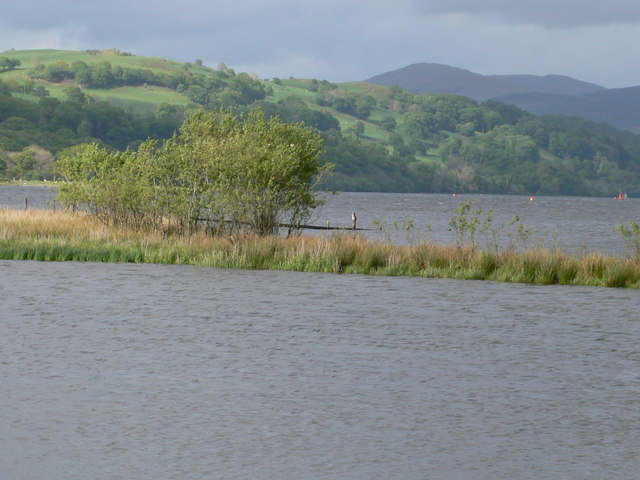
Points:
(47, 235)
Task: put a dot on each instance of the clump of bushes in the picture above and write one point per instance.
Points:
(221, 172)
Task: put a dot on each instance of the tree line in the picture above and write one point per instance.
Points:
(212, 88)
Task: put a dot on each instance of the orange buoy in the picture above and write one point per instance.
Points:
(532, 198)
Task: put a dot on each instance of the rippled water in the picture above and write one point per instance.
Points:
(112, 371)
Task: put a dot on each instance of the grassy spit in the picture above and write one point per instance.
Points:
(61, 236)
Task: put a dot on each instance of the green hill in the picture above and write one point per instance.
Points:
(135, 99)
(380, 138)
(450, 143)
(55, 99)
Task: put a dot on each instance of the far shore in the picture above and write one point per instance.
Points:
(48, 235)
(29, 183)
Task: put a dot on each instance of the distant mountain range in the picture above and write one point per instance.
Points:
(548, 94)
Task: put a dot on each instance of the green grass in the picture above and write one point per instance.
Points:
(378, 92)
(132, 99)
(376, 132)
(430, 157)
(31, 58)
(288, 88)
(140, 99)
(60, 236)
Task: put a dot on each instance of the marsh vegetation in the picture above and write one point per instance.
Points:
(63, 236)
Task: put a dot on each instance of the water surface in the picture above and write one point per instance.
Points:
(112, 371)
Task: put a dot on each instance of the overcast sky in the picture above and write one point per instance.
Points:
(343, 40)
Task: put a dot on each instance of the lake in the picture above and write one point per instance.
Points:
(127, 371)
(112, 371)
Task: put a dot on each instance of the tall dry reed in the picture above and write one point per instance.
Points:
(55, 235)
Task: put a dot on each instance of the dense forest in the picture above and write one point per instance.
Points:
(379, 138)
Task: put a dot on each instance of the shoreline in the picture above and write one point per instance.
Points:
(46, 235)
(30, 183)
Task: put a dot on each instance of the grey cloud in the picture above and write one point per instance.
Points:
(250, 29)
(343, 41)
(544, 13)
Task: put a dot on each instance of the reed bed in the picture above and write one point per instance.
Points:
(62, 236)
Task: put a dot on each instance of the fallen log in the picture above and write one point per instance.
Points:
(321, 227)
(296, 226)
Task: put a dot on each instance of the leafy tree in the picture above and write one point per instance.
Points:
(344, 104)
(66, 115)
(249, 89)
(102, 76)
(509, 113)
(24, 165)
(9, 63)
(57, 72)
(388, 123)
(259, 171)
(82, 73)
(198, 94)
(399, 148)
(41, 92)
(356, 129)
(165, 121)
(84, 128)
(16, 107)
(323, 121)
(363, 105)
(3, 163)
(570, 144)
(5, 89)
(75, 94)
(232, 173)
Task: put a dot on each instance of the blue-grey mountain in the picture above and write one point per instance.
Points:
(539, 94)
